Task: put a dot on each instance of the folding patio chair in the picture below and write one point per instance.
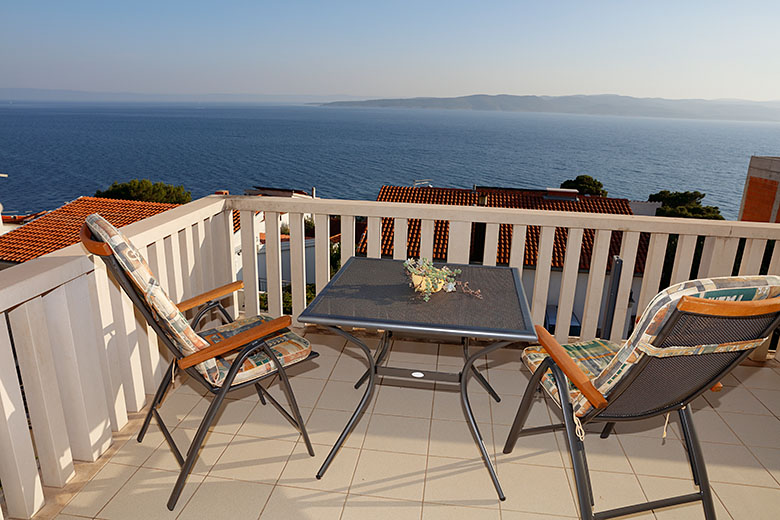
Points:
(690, 336)
(265, 346)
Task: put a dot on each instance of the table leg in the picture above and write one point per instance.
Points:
(479, 377)
(361, 406)
(464, 396)
(381, 352)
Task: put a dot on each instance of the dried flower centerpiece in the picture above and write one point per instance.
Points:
(428, 279)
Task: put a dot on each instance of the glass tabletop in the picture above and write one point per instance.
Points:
(375, 293)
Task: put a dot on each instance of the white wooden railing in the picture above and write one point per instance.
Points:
(86, 359)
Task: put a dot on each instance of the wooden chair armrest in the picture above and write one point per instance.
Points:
(570, 368)
(210, 295)
(235, 342)
(93, 246)
(717, 387)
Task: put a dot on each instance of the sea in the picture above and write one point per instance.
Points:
(54, 153)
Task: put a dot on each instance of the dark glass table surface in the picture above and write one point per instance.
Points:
(375, 293)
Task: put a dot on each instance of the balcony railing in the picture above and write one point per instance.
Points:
(86, 358)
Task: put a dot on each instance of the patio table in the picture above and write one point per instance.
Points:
(375, 294)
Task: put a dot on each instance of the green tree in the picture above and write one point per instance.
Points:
(143, 189)
(684, 204)
(586, 185)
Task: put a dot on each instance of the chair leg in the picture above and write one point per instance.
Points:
(524, 409)
(607, 430)
(192, 453)
(697, 461)
(158, 396)
(260, 394)
(296, 411)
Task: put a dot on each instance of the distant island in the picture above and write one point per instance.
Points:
(607, 104)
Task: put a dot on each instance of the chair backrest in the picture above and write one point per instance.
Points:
(133, 274)
(689, 337)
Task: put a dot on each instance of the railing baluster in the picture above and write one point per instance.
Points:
(628, 248)
(374, 237)
(321, 250)
(491, 244)
(542, 275)
(426, 239)
(571, 267)
(297, 264)
(347, 238)
(400, 232)
(78, 372)
(654, 263)
(175, 288)
(107, 353)
(126, 343)
(683, 258)
(774, 263)
(22, 485)
(458, 242)
(206, 254)
(273, 263)
(187, 264)
(250, 275)
(36, 364)
(595, 287)
(198, 240)
(752, 257)
(517, 251)
(151, 364)
(722, 260)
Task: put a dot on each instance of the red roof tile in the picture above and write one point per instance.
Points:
(504, 198)
(60, 228)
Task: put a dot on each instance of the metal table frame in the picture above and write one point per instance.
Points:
(503, 337)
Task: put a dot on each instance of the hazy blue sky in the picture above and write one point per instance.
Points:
(673, 49)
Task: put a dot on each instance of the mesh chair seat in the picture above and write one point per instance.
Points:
(591, 356)
(288, 347)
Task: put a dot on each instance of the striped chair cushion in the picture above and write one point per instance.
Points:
(288, 347)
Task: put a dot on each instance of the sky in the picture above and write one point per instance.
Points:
(671, 49)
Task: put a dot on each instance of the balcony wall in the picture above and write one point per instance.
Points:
(86, 359)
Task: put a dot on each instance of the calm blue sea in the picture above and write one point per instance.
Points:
(54, 154)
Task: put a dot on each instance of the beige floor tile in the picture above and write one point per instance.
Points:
(135, 453)
(769, 398)
(653, 427)
(317, 368)
(507, 358)
(177, 406)
(98, 491)
(69, 517)
(249, 393)
(395, 433)
(657, 488)
(747, 502)
(730, 380)
(326, 344)
(220, 498)
(709, 427)
(389, 475)
(448, 512)
(754, 430)
(735, 465)
(539, 449)
(254, 459)
(451, 356)
(459, 482)
(536, 489)
(414, 400)
(508, 382)
(454, 439)
(611, 490)
(658, 457)
(187, 385)
(287, 503)
(770, 459)
(505, 411)
(350, 366)
(755, 377)
(213, 446)
(306, 390)
(602, 454)
(266, 421)
(325, 426)
(519, 515)
(448, 406)
(362, 508)
(413, 354)
(146, 494)
(736, 399)
(301, 469)
(230, 416)
(341, 395)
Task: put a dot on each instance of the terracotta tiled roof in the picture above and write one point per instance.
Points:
(60, 228)
(22, 219)
(504, 198)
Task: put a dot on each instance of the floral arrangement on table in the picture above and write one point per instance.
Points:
(428, 279)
